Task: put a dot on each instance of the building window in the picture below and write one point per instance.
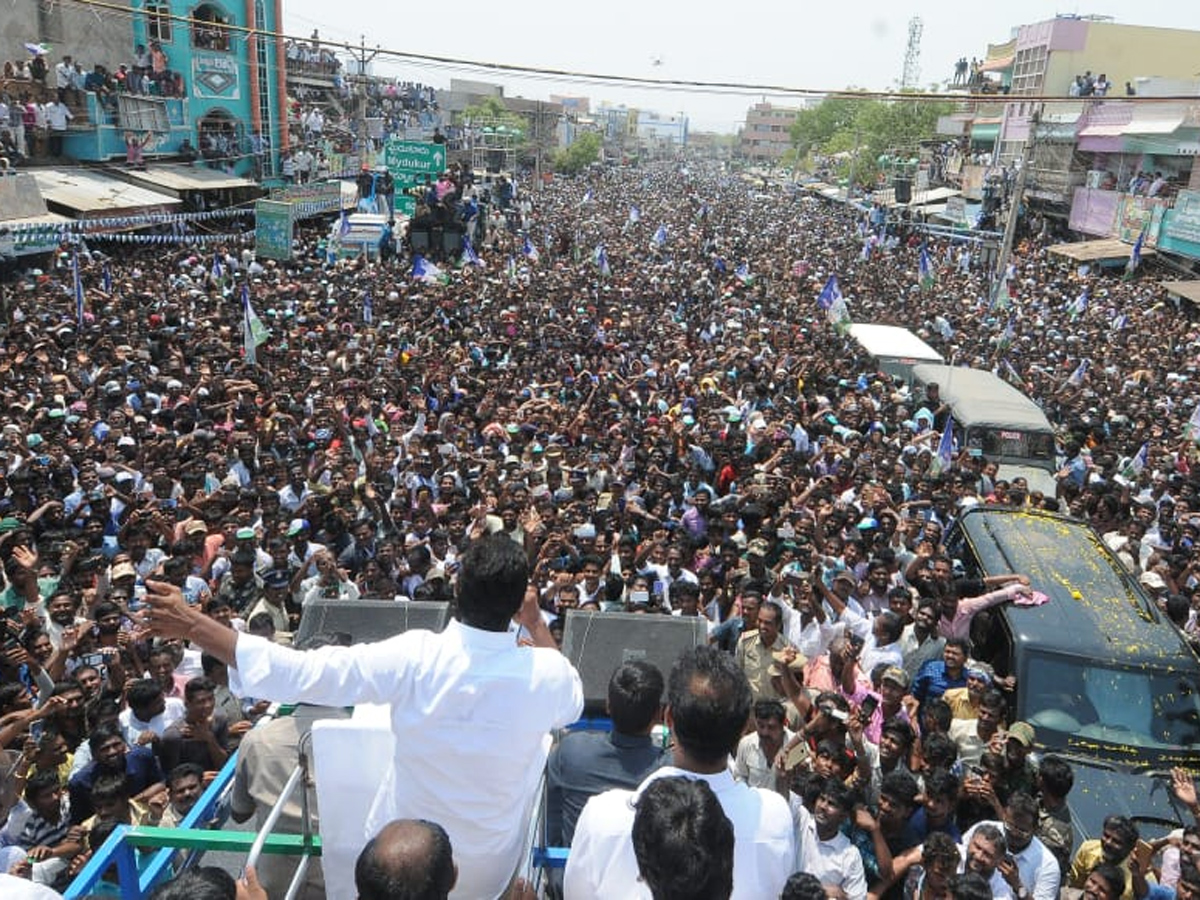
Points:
(158, 23)
(210, 29)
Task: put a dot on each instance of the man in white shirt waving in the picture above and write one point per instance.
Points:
(463, 702)
(708, 703)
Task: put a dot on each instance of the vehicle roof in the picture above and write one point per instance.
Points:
(892, 340)
(983, 400)
(1096, 609)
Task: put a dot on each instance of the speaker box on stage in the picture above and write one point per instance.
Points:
(451, 241)
(903, 189)
(419, 238)
(597, 643)
(367, 621)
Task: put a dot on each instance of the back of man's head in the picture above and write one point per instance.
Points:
(492, 582)
(683, 841)
(200, 883)
(410, 859)
(803, 886)
(710, 699)
(634, 696)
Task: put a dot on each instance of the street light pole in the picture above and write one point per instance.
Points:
(1018, 194)
(363, 60)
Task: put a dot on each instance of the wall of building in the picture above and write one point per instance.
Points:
(87, 36)
(1123, 53)
(240, 83)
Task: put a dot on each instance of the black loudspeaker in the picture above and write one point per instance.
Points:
(597, 643)
(451, 241)
(903, 189)
(419, 239)
(367, 621)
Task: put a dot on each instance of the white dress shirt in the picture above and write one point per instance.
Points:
(602, 865)
(751, 765)
(1037, 865)
(836, 862)
(471, 712)
(132, 726)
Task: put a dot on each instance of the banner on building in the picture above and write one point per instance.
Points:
(1094, 211)
(272, 229)
(316, 198)
(215, 76)
(1183, 222)
(1137, 216)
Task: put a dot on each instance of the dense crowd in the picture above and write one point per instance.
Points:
(638, 389)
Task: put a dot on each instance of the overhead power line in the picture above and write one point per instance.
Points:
(667, 84)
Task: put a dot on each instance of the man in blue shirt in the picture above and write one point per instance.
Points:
(112, 756)
(586, 763)
(937, 676)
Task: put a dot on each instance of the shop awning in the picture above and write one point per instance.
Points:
(1189, 290)
(1091, 251)
(89, 194)
(180, 180)
(985, 132)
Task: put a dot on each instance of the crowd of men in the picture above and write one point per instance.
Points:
(640, 393)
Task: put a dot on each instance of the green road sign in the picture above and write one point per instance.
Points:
(414, 157)
(406, 205)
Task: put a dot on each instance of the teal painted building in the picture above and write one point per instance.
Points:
(215, 80)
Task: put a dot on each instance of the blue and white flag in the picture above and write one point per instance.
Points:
(1120, 323)
(719, 265)
(925, 270)
(830, 294)
(344, 225)
(1137, 463)
(78, 288)
(600, 258)
(510, 268)
(1135, 258)
(742, 274)
(217, 271)
(943, 459)
(368, 309)
(425, 271)
(470, 257)
(1076, 378)
(635, 215)
(254, 332)
(529, 251)
(587, 197)
(1079, 306)
(660, 235)
(106, 279)
(1007, 336)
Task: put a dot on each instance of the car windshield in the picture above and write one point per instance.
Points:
(1069, 700)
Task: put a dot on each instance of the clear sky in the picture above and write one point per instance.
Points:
(798, 44)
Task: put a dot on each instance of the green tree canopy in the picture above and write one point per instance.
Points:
(875, 127)
(584, 151)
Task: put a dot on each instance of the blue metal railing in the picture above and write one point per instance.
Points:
(118, 850)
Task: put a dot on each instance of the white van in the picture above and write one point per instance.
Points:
(894, 350)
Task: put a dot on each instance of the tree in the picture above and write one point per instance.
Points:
(863, 130)
(584, 151)
(490, 111)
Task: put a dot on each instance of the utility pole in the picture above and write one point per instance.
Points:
(363, 60)
(1014, 206)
